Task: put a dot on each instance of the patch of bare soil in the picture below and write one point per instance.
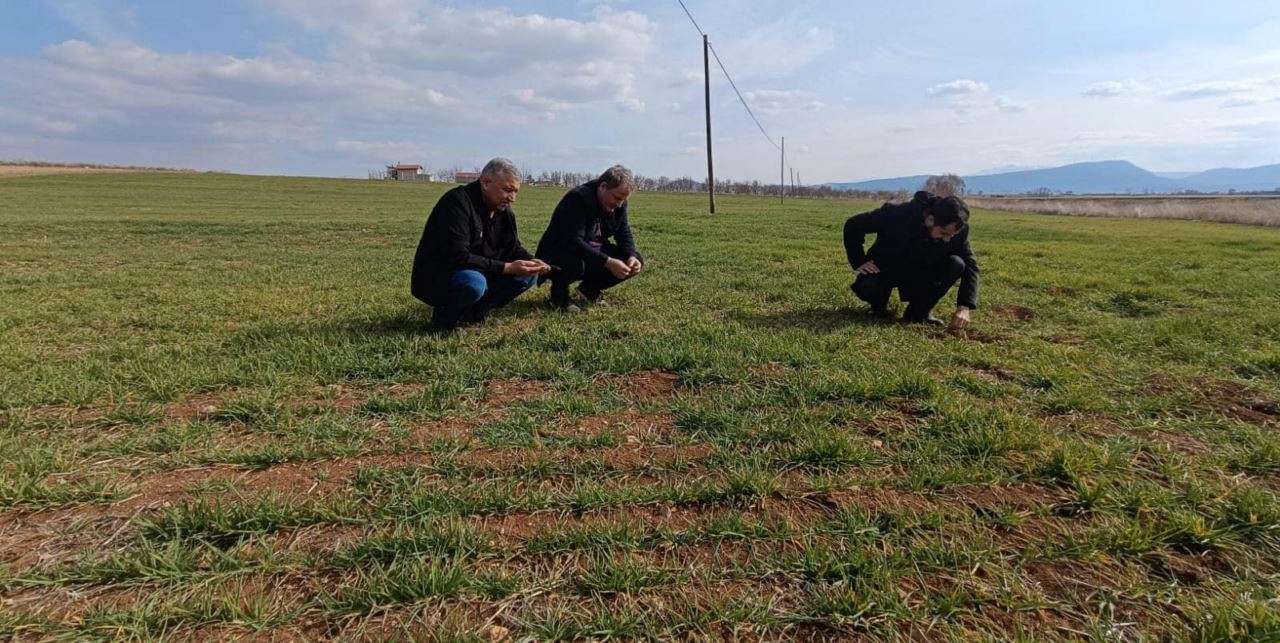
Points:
(1105, 426)
(1072, 581)
(994, 374)
(1014, 311)
(1018, 496)
(645, 386)
(637, 427)
(1222, 397)
(877, 500)
(770, 370)
(515, 390)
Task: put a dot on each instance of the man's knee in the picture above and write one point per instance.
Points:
(952, 268)
(869, 287)
(468, 286)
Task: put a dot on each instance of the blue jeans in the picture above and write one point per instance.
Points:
(472, 294)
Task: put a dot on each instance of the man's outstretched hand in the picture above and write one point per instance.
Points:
(960, 321)
(869, 268)
(635, 265)
(526, 267)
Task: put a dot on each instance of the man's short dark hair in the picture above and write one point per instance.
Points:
(945, 210)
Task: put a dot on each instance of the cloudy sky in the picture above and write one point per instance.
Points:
(859, 89)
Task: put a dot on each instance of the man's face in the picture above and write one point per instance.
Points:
(611, 198)
(499, 191)
(941, 234)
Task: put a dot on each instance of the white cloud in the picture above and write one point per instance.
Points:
(1206, 90)
(959, 88)
(1112, 88)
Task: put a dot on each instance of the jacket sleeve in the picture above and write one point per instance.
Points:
(967, 294)
(856, 229)
(457, 237)
(573, 220)
(623, 238)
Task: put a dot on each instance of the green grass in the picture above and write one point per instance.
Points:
(222, 414)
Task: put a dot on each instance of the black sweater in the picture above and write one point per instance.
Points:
(460, 235)
(903, 245)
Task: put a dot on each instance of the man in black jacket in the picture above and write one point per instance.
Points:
(577, 241)
(470, 260)
(922, 249)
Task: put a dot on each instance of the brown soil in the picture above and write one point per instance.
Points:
(1020, 313)
(1222, 397)
(502, 393)
(645, 386)
(1019, 496)
(634, 425)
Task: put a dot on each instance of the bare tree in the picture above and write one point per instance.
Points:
(944, 185)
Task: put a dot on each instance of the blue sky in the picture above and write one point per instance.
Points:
(859, 89)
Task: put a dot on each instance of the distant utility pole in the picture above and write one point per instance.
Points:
(711, 168)
(793, 180)
(782, 173)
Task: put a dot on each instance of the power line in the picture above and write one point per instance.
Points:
(727, 76)
(695, 22)
(744, 100)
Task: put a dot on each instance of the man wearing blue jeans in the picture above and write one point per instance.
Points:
(470, 261)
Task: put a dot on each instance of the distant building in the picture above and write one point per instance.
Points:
(465, 177)
(407, 173)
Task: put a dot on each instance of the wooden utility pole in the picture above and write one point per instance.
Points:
(711, 168)
(782, 173)
(793, 180)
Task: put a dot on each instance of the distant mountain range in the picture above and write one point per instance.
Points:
(1103, 177)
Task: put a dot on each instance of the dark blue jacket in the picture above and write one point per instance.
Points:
(576, 220)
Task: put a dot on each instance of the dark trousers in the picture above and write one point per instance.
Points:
(472, 294)
(921, 286)
(595, 279)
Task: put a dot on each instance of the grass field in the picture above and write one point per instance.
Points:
(222, 417)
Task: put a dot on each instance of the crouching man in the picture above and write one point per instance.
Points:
(589, 240)
(470, 261)
(922, 249)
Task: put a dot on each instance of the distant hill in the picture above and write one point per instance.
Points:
(1102, 177)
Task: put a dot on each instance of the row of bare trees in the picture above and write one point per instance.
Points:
(943, 185)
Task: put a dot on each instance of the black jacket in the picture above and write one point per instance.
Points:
(903, 245)
(460, 235)
(576, 220)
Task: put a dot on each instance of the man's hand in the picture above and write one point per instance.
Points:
(617, 268)
(869, 268)
(635, 265)
(960, 320)
(526, 267)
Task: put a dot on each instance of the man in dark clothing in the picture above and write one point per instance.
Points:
(922, 249)
(577, 241)
(470, 260)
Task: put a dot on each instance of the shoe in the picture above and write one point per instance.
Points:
(566, 308)
(472, 319)
(928, 319)
(562, 302)
(598, 301)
